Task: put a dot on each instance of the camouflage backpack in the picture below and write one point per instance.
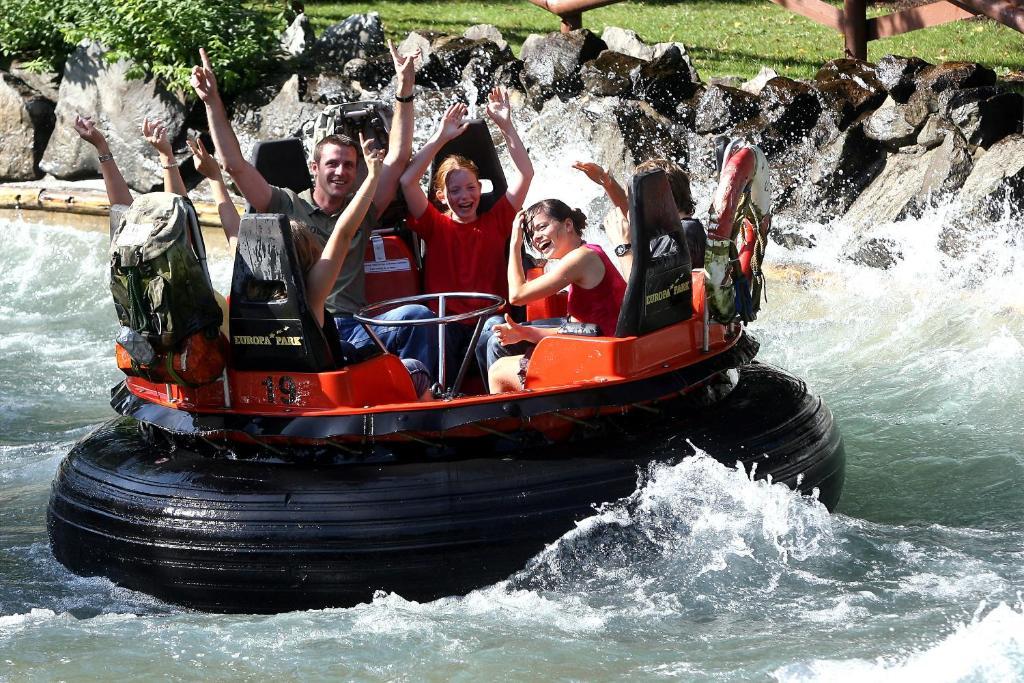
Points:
(158, 277)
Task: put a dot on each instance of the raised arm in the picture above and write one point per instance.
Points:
(250, 182)
(113, 181)
(453, 124)
(522, 291)
(605, 180)
(321, 277)
(400, 138)
(500, 111)
(208, 166)
(155, 133)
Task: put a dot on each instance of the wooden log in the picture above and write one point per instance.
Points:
(932, 14)
(855, 28)
(815, 10)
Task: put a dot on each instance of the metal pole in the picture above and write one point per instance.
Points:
(441, 360)
(706, 344)
(470, 352)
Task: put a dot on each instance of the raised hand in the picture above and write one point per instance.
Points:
(86, 129)
(454, 123)
(203, 80)
(405, 67)
(204, 162)
(155, 133)
(373, 155)
(593, 171)
(498, 107)
(520, 229)
(508, 332)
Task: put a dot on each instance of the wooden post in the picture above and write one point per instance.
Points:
(571, 21)
(855, 28)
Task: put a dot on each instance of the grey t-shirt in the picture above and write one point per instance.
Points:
(349, 292)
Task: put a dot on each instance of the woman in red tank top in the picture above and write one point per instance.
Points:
(595, 286)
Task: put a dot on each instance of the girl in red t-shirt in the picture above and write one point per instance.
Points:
(465, 249)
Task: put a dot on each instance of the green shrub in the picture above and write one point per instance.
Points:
(161, 37)
(31, 30)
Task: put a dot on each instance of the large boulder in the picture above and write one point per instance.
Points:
(26, 122)
(722, 107)
(912, 181)
(360, 35)
(790, 107)
(627, 42)
(551, 63)
(486, 32)
(458, 59)
(91, 86)
(757, 83)
(46, 83)
(995, 187)
(285, 115)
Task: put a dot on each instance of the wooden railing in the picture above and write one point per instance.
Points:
(851, 20)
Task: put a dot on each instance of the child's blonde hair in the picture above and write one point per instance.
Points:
(308, 245)
(455, 162)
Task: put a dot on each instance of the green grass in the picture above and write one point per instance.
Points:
(724, 37)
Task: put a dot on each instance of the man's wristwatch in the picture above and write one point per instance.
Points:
(623, 249)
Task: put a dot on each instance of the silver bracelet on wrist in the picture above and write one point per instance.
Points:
(106, 157)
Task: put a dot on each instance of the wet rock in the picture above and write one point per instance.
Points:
(842, 169)
(92, 86)
(422, 41)
(612, 73)
(552, 62)
(486, 32)
(894, 124)
(510, 75)
(329, 89)
(910, 182)
(722, 107)
(686, 111)
(789, 106)
(660, 49)
(881, 253)
(360, 35)
(369, 74)
(934, 131)
(791, 240)
(298, 37)
(896, 74)
(954, 76)
(26, 122)
(984, 114)
(459, 58)
(665, 81)
(848, 88)
(995, 186)
(755, 84)
(647, 134)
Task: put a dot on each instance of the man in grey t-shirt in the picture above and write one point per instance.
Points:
(334, 169)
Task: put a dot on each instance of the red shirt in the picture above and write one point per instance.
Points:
(600, 304)
(466, 257)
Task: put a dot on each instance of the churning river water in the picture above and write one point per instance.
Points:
(701, 575)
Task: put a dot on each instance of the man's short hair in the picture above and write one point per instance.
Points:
(678, 181)
(336, 139)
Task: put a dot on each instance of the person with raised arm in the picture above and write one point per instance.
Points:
(155, 133)
(596, 288)
(113, 181)
(334, 168)
(617, 222)
(466, 248)
(207, 165)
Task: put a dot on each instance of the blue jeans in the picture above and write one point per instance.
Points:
(489, 349)
(416, 342)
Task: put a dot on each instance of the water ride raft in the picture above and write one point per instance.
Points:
(308, 475)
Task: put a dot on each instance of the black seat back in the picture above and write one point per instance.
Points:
(658, 293)
(272, 327)
(476, 144)
(283, 163)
